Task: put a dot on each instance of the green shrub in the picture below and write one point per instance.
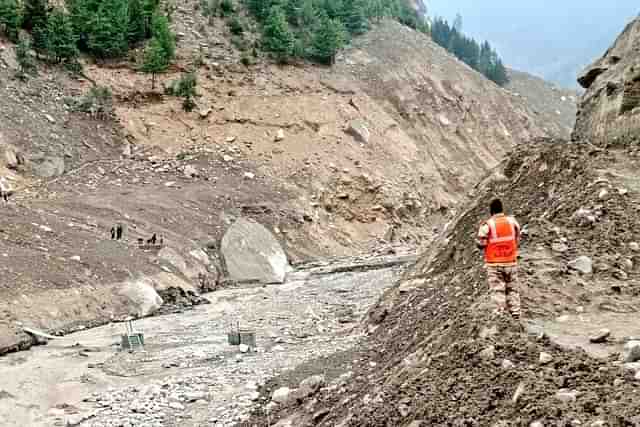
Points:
(97, 102)
(226, 8)
(10, 19)
(235, 26)
(246, 60)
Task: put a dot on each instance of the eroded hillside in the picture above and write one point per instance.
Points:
(334, 160)
(550, 104)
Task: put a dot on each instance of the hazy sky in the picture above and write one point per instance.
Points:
(553, 39)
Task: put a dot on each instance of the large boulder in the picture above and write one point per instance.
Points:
(251, 253)
(142, 295)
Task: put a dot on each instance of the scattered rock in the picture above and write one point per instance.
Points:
(566, 396)
(176, 406)
(631, 352)
(620, 275)
(243, 348)
(518, 393)
(249, 175)
(536, 424)
(359, 130)
(507, 364)
(604, 194)
(627, 265)
(559, 247)
(600, 337)
(488, 353)
(190, 171)
(444, 121)
(49, 118)
(310, 386)
(280, 135)
(11, 158)
(231, 139)
(634, 246)
(281, 395)
(488, 332)
(632, 367)
(545, 358)
(582, 264)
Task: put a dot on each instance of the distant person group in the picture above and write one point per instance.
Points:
(117, 232)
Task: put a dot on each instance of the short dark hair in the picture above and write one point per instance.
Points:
(496, 207)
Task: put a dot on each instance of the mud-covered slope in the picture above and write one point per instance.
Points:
(609, 112)
(437, 357)
(553, 106)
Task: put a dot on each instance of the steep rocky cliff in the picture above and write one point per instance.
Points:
(609, 112)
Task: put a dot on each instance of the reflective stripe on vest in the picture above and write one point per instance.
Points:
(502, 246)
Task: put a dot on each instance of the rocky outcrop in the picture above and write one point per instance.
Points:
(608, 111)
(252, 254)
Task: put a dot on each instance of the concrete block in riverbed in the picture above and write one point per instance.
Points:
(252, 253)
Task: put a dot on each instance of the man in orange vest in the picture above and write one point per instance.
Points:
(499, 237)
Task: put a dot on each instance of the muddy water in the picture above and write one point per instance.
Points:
(84, 376)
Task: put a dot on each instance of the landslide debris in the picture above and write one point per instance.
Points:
(438, 357)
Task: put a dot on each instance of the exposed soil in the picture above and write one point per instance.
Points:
(428, 333)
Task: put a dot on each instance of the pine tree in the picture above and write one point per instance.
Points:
(186, 88)
(376, 10)
(161, 32)
(293, 9)
(328, 38)
(457, 23)
(81, 13)
(61, 41)
(34, 13)
(10, 18)
(149, 9)
(24, 58)
(354, 16)
(484, 59)
(277, 38)
(108, 33)
(333, 8)
(259, 8)
(137, 25)
(155, 60)
(308, 14)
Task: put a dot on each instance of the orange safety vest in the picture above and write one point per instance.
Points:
(502, 246)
